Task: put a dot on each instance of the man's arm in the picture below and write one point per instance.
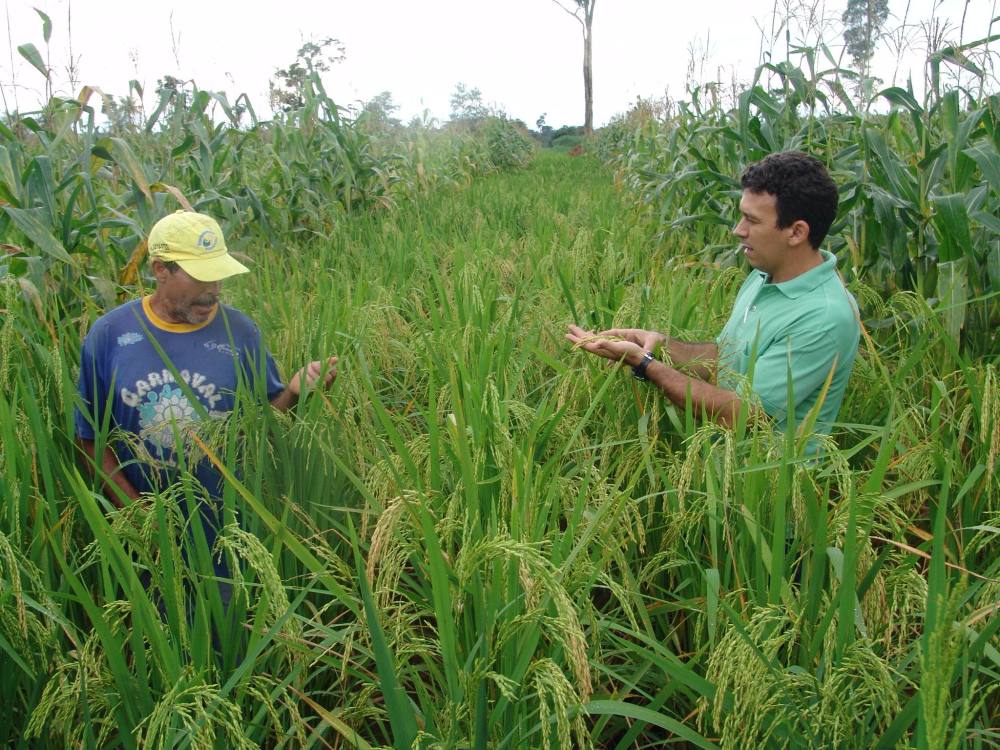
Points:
(115, 481)
(700, 358)
(307, 377)
(717, 403)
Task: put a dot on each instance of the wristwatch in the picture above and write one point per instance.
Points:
(639, 371)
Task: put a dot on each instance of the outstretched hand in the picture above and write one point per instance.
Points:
(647, 340)
(309, 376)
(609, 344)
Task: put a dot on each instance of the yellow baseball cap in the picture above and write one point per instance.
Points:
(194, 241)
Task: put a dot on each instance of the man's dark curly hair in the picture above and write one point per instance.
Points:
(802, 189)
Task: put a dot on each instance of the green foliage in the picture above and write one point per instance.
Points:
(509, 146)
(377, 113)
(79, 200)
(479, 538)
(566, 142)
(467, 105)
(863, 20)
(286, 91)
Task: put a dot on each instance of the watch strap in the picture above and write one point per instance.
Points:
(639, 371)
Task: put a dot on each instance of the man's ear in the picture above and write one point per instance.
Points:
(798, 233)
(159, 269)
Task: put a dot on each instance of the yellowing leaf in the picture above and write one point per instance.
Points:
(38, 233)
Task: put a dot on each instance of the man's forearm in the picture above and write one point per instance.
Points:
(700, 358)
(115, 481)
(284, 400)
(717, 403)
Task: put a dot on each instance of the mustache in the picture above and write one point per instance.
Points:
(207, 301)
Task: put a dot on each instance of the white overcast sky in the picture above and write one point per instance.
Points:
(524, 55)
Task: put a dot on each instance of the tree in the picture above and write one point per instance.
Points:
(467, 104)
(583, 12)
(124, 113)
(863, 21)
(378, 112)
(312, 57)
(544, 131)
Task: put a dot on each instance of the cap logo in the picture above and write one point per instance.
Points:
(207, 240)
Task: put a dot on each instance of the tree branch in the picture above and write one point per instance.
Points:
(571, 12)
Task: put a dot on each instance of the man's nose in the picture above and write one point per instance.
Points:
(740, 229)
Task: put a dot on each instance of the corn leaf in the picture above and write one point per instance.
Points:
(28, 222)
(121, 153)
(951, 222)
(30, 53)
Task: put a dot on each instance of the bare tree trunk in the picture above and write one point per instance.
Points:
(588, 82)
(588, 88)
(586, 22)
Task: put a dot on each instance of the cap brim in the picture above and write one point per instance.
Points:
(213, 269)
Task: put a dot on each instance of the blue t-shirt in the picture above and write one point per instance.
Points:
(124, 373)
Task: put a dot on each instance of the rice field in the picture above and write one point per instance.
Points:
(479, 538)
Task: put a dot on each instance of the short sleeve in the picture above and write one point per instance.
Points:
(92, 390)
(808, 355)
(260, 367)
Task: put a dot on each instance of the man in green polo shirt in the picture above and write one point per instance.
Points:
(792, 315)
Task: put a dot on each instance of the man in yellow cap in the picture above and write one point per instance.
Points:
(155, 366)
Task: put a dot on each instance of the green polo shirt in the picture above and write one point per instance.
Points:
(805, 326)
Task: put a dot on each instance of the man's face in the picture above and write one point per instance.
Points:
(764, 243)
(185, 299)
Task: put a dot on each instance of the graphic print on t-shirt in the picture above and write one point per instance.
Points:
(163, 414)
(132, 337)
(164, 410)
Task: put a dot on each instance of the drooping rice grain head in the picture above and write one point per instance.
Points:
(539, 576)
(989, 421)
(945, 642)
(245, 549)
(82, 684)
(557, 704)
(26, 629)
(194, 708)
(281, 707)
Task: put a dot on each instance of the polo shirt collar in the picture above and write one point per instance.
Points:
(806, 282)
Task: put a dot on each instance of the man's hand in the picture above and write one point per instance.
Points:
(611, 344)
(307, 378)
(647, 340)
